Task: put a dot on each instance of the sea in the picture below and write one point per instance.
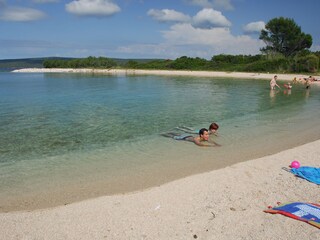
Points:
(67, 137)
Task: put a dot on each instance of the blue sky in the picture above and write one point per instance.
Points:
(145, 28)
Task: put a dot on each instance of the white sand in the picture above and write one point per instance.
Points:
(223, 204)
(166, 72)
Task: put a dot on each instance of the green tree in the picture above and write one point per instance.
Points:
(185, 62)
(283, 35)
(307, 63)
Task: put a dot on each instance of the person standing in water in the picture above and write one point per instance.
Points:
(308, 82)
(273, 83)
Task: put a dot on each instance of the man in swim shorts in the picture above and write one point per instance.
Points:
(201, 140)
(273, 83)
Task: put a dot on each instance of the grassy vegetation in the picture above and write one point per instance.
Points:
(11, 64)
(304, 62)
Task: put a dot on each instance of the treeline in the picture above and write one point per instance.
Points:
(305, 61)
(90, 62)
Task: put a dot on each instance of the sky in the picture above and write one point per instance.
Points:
(165, 29)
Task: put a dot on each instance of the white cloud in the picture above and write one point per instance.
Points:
(98, 8)
(186, 34)
(254, 27)
(218, 4)
(205, 35)
(168, 15)
(19, 14)
(209, 18)
(185, 40)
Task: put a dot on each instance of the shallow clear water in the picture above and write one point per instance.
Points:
(67, 137)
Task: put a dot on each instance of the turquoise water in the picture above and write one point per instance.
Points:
(67, 137)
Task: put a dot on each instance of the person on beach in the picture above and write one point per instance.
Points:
(201, 140)
(273, 82)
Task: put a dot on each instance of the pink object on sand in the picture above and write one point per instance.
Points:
(295, 164)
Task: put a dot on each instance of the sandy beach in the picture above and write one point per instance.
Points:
(286, 77)
(222, 204)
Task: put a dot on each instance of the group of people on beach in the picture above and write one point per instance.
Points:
(203, 135)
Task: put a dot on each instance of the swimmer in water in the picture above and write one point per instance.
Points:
(213, 128)
(201, 140)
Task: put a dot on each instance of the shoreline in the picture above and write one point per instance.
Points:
(226, 203)
(266, 76)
